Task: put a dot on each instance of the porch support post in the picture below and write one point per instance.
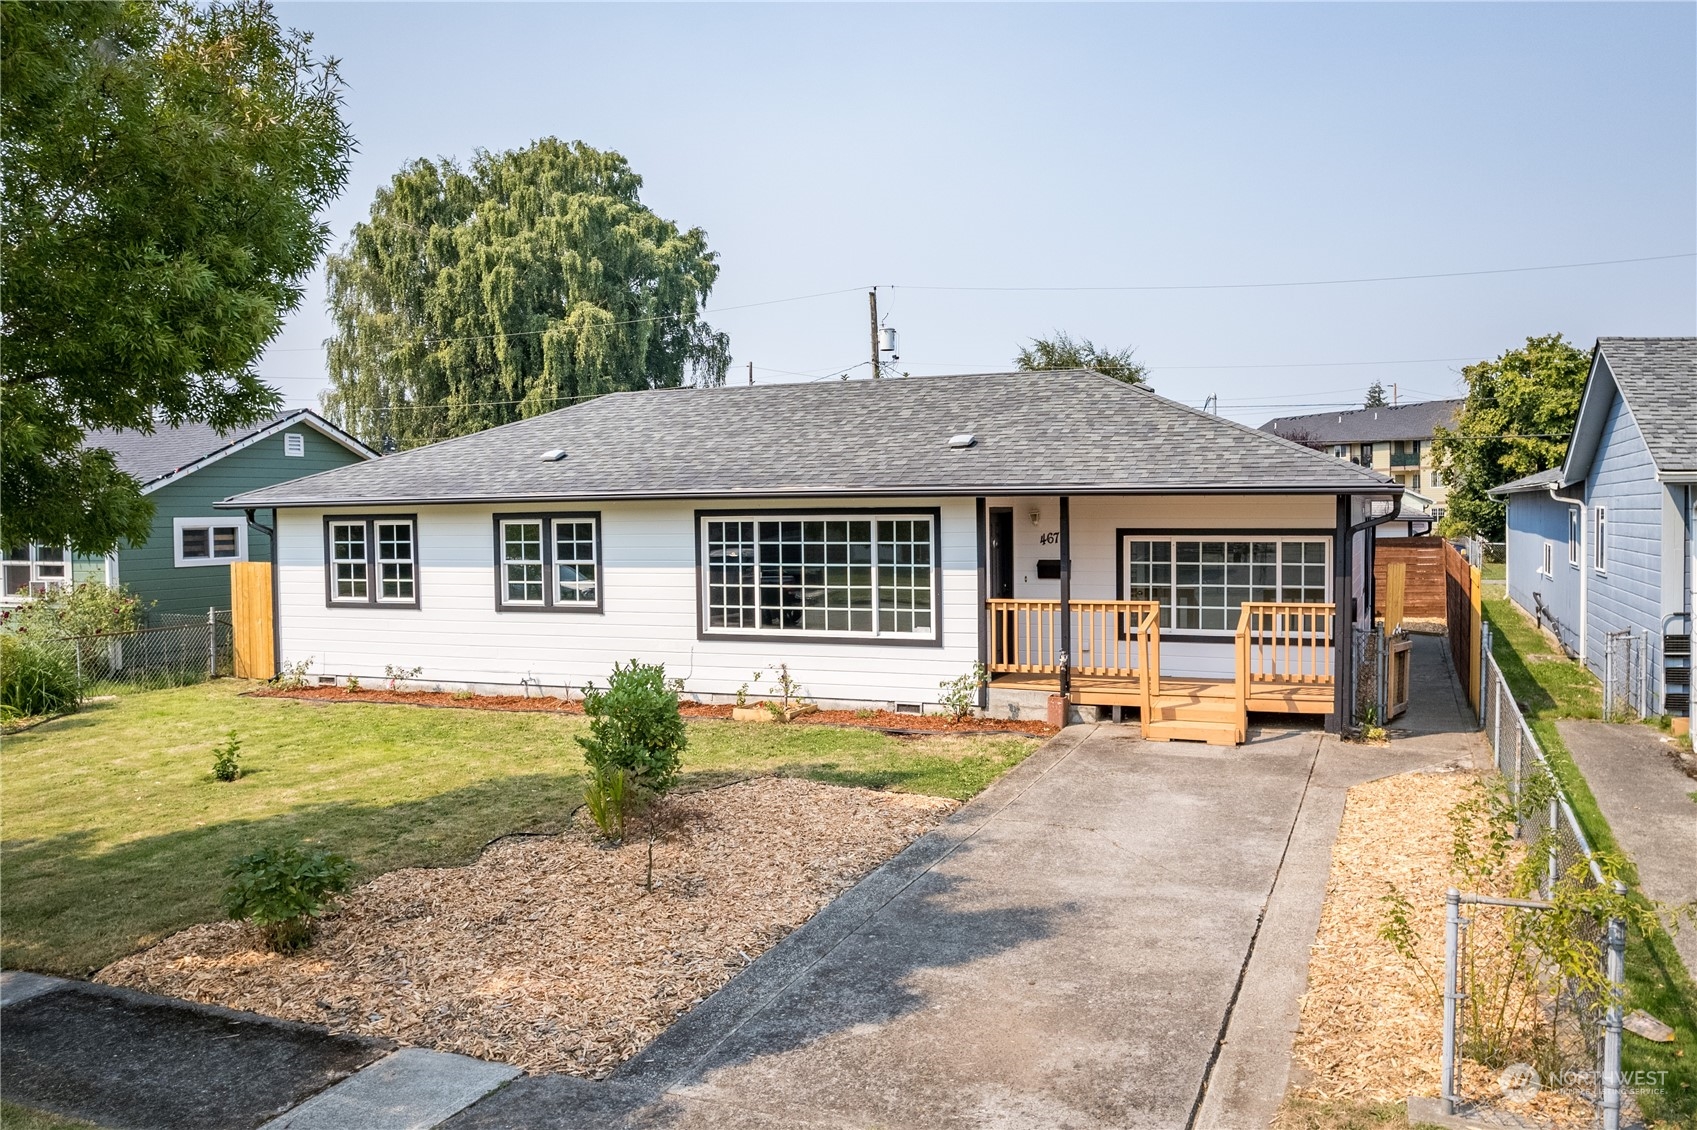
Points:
(983, 604)
(1343, 678)
(1066, 596)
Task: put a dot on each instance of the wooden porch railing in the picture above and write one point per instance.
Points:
(1109, 637)
(1284, 644)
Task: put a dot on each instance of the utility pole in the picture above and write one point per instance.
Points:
(751, 372)
(1393, 394)
(872, 300)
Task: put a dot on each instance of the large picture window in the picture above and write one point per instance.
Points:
(548, 562)
(371, 560)
(1201, 582)
(869, 575)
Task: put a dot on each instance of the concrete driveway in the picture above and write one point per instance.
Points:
(1065, 954)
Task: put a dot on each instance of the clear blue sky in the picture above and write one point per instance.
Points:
(825, 147)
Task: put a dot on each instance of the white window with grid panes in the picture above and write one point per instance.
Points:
(33, 569)
(372, 560)
(845, 575)
(548, 562)
(1202, 582)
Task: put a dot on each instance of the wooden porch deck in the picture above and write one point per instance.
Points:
(1127, 690)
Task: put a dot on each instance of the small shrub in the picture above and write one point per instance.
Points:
(399, 675)
(280, 890)
(293, 675)
(787, 686)
(37, 676)
(225, 767)
(353, 684)
(464, 694)
(635, 725)
(742, 695)
(865, 713)
(961, 695)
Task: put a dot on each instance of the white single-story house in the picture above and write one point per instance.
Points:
(1068, 531)
(1605, 546)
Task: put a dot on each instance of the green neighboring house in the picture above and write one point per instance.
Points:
(183, 567)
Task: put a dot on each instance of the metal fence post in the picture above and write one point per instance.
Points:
(1447, 1097)
(1484, 668)
(211, 644)
(1551, 865)
(1612, 1019)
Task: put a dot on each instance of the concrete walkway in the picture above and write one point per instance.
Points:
(1648, 803)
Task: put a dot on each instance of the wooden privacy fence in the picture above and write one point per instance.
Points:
(1425, 590)
(250, 619)
(1464, 616)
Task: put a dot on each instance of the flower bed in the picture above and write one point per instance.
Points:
(553, 953)
(888, 720)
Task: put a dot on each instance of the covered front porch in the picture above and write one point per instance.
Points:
(1195, 611)
(1108, 653)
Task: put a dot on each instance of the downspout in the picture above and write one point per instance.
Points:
(1586, 566)
(983, 605)
(270, 533)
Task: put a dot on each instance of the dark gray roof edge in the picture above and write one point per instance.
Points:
(1539, 480)
(276, 423)
(243, 502)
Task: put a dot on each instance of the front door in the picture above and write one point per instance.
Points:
(1001, 554)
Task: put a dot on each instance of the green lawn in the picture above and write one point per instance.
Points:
(116, 834)
(1549, 687)
(15, 1117)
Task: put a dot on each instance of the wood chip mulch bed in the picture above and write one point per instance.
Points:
(889, 721)
(549, 952)
(1372, 1025)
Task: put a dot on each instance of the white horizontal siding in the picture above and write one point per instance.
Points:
(649, 586)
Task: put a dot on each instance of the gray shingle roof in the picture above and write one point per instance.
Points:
(1036, 432)
(1541, 480)
(151, 456)
(1367, 425)
(1658, 378)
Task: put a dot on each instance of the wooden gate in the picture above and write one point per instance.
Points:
(1424, 588)
(250, 618)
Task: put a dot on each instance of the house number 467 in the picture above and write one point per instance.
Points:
(1051, 538)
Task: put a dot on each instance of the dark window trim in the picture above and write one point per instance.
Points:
(372, 580)
(549, 582)
(1198, 635)
(935, 513)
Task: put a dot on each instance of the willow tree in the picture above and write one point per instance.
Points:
(530, 280)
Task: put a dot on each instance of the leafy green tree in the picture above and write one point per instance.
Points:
(1062, 352)
(1376, 397)
(635, 726)
(1516, 420)
(534, 278)
(164, 164)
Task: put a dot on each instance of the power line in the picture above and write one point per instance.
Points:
(1317, 282)
(610, 325)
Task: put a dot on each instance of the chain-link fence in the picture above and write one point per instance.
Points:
(174, 650)
(1630, 665)
(1588, 1022)
(1371, 701)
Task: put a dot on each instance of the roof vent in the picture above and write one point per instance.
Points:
(964, 439)
(553, 455)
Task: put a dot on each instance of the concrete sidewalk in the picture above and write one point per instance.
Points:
(1648, 803)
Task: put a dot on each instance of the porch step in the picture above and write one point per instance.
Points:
(1195, 730)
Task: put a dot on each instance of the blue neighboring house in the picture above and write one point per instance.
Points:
(1605, 543)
